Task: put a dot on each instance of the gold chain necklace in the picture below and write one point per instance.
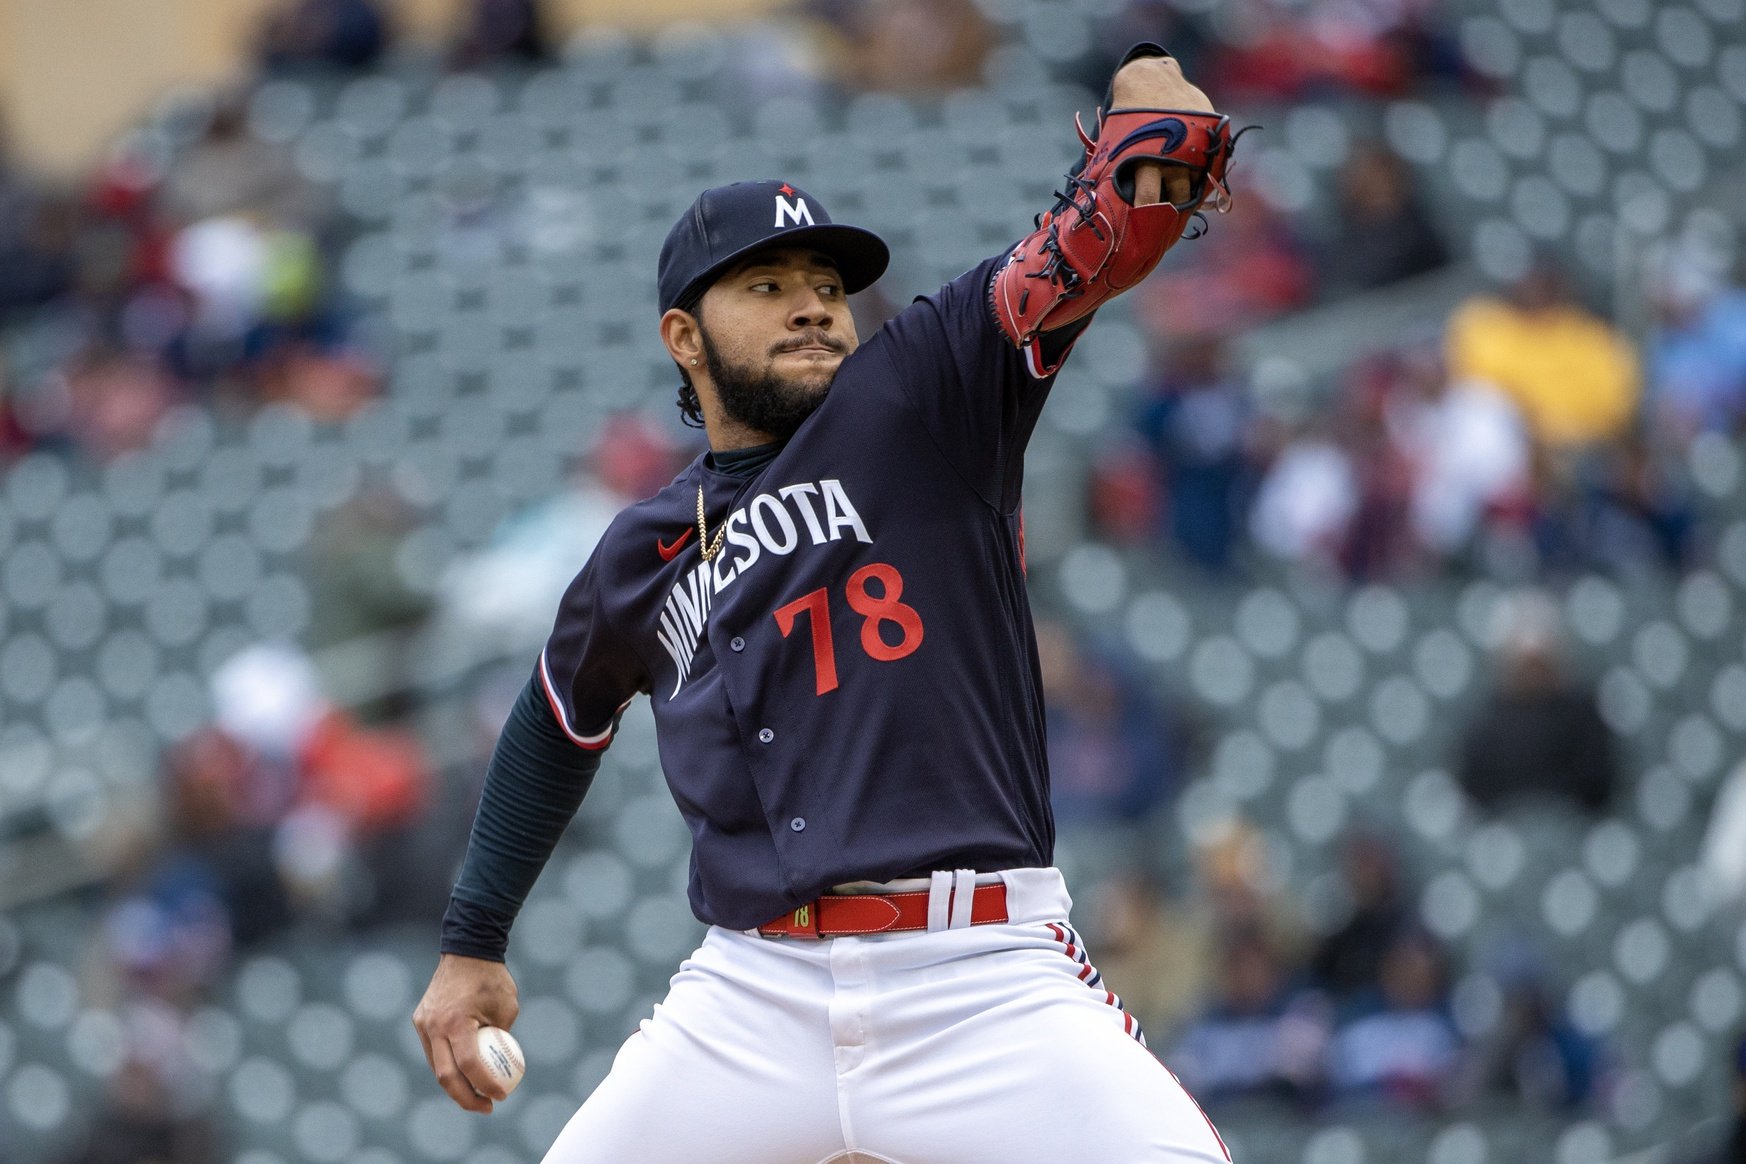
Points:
(710, 549)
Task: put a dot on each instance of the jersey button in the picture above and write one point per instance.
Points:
(765, 735)
(798, 824)
(737, 643)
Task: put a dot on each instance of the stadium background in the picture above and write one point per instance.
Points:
(327, 347)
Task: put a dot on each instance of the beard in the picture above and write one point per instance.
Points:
(758, 397)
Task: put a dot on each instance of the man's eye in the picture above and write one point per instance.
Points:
(831, 291)
(764, 284)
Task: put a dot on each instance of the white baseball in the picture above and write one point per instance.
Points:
(502, 1056)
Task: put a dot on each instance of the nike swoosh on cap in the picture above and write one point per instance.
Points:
(668, 552)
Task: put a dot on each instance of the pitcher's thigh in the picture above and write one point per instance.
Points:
(673, 1102)
(1014, 1089)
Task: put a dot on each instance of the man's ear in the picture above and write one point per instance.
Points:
(683, 336)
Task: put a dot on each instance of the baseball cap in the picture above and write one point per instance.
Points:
(727, 223)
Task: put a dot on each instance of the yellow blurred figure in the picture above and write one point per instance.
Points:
(1575, 379)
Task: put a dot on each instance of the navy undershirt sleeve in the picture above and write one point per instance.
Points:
(533, 786)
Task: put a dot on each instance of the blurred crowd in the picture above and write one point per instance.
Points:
(1525, 437)
(146, 286)
(317, 35)
(1249, 993)
(286, 814)
(1531, 439)
(1249, 51)
(1253, 1002)
(289, 815)
(202, 274)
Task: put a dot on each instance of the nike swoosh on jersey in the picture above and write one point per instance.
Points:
(668, 552)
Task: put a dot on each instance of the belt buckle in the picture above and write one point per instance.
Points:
(800, 922)
(803, 922)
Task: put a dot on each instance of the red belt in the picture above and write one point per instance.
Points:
(845, 915)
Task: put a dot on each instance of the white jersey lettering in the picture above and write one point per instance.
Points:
(737, 535)
(693, 601)
(765, 527)
(797, 494)
(674, 644)
(840, 511)
(790, 535)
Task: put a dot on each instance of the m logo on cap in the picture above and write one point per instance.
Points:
(792, 213)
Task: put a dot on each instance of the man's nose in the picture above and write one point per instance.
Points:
(810, 310)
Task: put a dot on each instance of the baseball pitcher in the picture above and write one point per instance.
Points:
(828, 612)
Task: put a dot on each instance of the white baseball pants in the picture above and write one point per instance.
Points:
(996, 1044)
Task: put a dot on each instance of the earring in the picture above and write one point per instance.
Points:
(694, 361)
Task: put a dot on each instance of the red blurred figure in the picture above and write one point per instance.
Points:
(1252, 268)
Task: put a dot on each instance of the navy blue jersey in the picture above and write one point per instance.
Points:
(849, 690)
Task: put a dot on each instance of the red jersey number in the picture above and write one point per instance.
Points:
(876, 611)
